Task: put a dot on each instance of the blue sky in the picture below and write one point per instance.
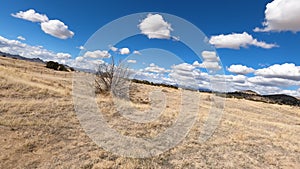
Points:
(253, 55)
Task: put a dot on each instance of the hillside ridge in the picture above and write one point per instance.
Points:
(273, 98)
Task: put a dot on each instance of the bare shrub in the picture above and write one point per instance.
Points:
(112, 77)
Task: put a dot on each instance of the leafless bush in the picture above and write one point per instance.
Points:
(112, 77)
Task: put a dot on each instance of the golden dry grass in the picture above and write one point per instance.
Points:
(39, 128)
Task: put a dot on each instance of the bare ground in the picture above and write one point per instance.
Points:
(39, 128)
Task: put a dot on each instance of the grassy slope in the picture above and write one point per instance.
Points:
(39, 128)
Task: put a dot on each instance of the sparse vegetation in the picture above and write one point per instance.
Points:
(39, 127)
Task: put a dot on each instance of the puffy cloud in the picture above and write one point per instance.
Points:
(284, 71)
(31, 15)
(97, 54)
(131, 61)
(184, 75)
(112, 48)
(265, 90)
(229, 78)
(240, 69)
(21, 38)
(238, 40)
(154, 26)
(196, 64)
(124, 51)
(187, 75)
(271, 80)
(181, 74)
(227, 83)
(81, 47)
(155, 69)
(57, 29)
(54, 28)
(79, 58)
(136, 52)
(208, 65)
(210, 61)
(183, 67)
(210, 56)
(277, 82)
(18, 48)
(281, 15)
(290, 92)
(258, 84)
(85, 63)
(97, 62)
(63, 55)
(237, 78)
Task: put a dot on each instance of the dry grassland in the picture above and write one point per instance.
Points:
(39, 127)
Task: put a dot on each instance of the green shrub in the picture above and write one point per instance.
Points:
(52, 65)
(56, 66)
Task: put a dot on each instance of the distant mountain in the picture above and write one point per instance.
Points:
(37, 60)
(251, 95)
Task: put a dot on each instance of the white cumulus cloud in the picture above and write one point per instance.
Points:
(85, 63)
(210, 61)
(155, 69)
(183, 67)
(210, 56)
(97, 54)
(112, 48)
(154, 26)
(124, 51)
(54, 28)
(185, 75)
(79, 58)
(208, 65)
(238, 40)
(18, 48)
(240, 69)
(57, 29)
(284, 71)
(63, 55)
(81, 47)
(31, 15)
(277, 82)
(281, 15)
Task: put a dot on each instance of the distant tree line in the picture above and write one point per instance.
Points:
(153, 84)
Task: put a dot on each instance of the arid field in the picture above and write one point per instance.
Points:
(39, 127)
